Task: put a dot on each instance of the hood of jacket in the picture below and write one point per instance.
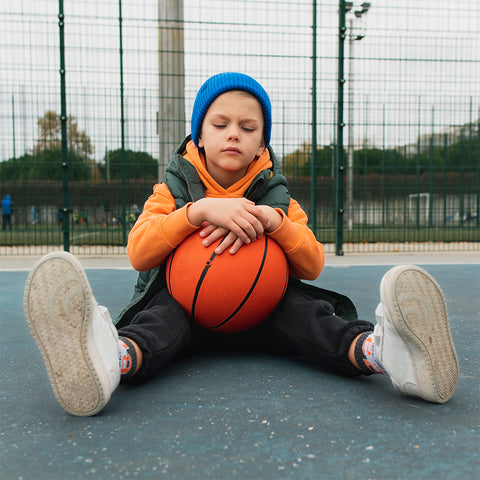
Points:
(263, 182)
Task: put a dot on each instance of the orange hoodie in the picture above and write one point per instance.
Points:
(161, 227)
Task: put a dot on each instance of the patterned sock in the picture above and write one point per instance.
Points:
(127, 358)
(365, 354)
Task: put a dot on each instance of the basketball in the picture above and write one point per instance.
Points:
(227, 293)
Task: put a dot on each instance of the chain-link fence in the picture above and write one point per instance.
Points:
(376, 113)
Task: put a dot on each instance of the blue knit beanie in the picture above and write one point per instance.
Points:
(225, 82)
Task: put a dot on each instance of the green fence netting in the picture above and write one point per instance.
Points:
(376, 109)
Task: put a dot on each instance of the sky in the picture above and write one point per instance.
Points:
(414, 72)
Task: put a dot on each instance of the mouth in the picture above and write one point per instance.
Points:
(231, 150)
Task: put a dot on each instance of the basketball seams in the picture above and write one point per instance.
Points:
(200, 282)
(252, 287)
(237, 293)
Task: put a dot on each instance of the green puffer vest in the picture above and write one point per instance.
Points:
(269, 187)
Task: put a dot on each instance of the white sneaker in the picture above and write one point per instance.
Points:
(412, 336)
(76, 336)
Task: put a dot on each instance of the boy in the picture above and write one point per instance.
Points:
(224, 181)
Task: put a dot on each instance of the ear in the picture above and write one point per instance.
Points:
(200, 142)
(261, 147)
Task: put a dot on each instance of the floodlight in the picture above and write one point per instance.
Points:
(365, 6)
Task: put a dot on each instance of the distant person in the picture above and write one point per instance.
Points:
(59, 217)
(34, 216)
(224, 181)
(83, 218)
(7, 207)
(135, 210)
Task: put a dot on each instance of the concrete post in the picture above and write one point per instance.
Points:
(171, 80)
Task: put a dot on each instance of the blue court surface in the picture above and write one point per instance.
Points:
(243, 415)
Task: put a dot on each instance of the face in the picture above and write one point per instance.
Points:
(232, 136)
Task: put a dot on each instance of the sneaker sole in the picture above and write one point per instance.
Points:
(420, 316)
(58, 305)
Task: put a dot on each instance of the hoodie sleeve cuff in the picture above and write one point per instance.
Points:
(176, 226)
(287, 234)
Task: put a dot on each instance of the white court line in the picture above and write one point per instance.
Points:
(19, 263)
(337, 264)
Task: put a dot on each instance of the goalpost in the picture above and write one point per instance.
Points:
(419, 208)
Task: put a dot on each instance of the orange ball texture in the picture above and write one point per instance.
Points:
(227, 293)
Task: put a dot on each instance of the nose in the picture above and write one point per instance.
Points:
(233, 133)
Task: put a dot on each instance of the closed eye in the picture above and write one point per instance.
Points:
(249, 127)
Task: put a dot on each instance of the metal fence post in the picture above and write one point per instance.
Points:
(313, 170)
(63, 120)
(429, 212)
(340, 170)
(122, 125)
(478, 171)
(14, 150)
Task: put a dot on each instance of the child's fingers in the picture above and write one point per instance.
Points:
(212, 236)
(231, 243)
(226, 243)
(250, 225)
(235, 247)
(207, 229)
(260, 213)
(212, 233)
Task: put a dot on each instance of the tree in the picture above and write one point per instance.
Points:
(375, 160)
(45, 165)
(50, 136)
(139, 165)
(298, 163)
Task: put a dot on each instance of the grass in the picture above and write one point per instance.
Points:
(112, 236)
(51, 235)
(361, 234)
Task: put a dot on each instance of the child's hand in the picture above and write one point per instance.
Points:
(237, 216)
(230, 241)
(274, 218)
(211, 233)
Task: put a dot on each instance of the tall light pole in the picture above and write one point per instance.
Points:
(352, 37)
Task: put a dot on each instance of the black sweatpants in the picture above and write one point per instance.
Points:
(300, 325)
